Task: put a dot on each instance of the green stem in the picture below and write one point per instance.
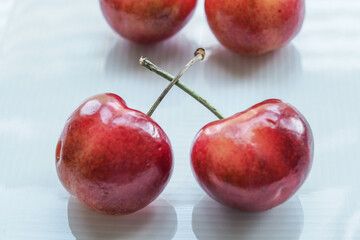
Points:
(161, 72)
(199, 55)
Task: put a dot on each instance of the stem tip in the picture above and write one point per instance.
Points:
(142, 60)
(200, 51)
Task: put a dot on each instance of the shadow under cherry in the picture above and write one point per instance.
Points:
(156, 221)
(125, 55)
(211, 220)
(282, 65)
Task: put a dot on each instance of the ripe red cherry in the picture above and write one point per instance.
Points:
(254, 27)
(113, 159)
(147, 21)
(256, 159)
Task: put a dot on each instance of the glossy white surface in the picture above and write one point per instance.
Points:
(54, 54)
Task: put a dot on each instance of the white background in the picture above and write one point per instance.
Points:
(54, 54)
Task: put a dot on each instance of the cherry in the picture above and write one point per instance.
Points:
(113, 159)
(147, 21)
(255, 159)
(254, 27)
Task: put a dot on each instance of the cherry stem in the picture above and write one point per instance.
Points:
(199, 55)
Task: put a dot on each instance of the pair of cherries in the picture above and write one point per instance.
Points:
(116, 160)
(246, 27)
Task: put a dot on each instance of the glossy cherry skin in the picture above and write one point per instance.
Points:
(147, 21)
(256, 159)
(254, 27)
(113, 159)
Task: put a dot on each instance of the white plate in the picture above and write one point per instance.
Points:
(54, 54)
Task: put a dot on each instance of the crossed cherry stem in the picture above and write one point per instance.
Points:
(199, 56)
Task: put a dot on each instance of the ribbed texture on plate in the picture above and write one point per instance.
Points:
(54, 54)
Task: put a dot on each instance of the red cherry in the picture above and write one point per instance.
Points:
(256, 159)
(147, 21)
(113, 159)
(254, 27)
